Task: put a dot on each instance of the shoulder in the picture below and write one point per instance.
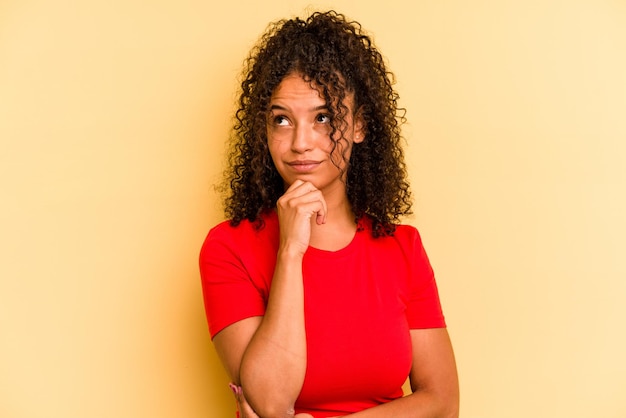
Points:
(246, 234)
(408, 234)
(405, 244)
(246, 229)
(403, 234)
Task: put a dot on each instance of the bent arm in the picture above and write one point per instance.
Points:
(433, 377)
(267, 355)
(274, 363)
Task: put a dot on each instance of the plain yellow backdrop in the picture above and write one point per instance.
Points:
(113, 117)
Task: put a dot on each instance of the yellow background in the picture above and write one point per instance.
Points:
(113, 116)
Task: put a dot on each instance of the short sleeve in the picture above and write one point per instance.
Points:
(423, 307)
(229, 292)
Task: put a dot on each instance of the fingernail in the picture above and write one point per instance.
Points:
(233, 388)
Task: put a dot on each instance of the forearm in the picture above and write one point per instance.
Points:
(419, 404)
(274, 363)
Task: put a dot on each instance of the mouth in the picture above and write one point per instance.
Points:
(304, 165)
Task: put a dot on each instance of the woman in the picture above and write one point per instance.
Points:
(319, 302)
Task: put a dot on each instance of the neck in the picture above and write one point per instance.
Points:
(339, 229)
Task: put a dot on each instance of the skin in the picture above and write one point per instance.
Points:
(266, 355)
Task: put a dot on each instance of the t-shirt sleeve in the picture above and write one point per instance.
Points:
(228, 291)
(424, 306)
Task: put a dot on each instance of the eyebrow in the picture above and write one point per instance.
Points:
(315, 109)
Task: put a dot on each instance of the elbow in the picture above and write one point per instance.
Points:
(441, 404)
(272, 411)
(267, 400)
(445, 408)
(266, 407)
(278, 414)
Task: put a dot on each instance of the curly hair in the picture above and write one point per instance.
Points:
(336, 56)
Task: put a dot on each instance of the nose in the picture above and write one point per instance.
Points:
(303, 138)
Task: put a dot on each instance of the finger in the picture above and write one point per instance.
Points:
(321, 216)
(295, 185)
(246, 410)
(315, 197)
(312, 205)
(304, 195)
(243, 405)
(299, 188)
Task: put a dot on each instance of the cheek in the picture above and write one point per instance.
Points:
(277, 137)
(276, 149)
(341, 153)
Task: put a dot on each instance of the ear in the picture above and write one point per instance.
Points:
(359, 127)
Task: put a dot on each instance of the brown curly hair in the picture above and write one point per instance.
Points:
(336, 56)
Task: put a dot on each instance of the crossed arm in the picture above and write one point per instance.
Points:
(433, 377)
(266, 356)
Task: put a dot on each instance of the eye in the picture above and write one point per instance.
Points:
(280, 120)
(322, 118)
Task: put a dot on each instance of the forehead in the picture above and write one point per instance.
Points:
(295, 87)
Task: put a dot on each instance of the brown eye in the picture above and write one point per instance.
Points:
(323, 118)
(281, 120)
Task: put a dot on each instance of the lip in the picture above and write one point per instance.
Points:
(303, 166)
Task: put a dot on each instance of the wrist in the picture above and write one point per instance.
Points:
(291, 252)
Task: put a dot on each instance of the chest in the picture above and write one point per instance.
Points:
(358, 344)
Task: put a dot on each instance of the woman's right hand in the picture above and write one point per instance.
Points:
(297, 208)
(246, 411)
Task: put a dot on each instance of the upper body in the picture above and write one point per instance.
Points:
(317, 142)
(360, 303)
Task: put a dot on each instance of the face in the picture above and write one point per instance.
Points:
(298, 132)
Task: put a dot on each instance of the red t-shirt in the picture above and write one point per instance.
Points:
(360, 303)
